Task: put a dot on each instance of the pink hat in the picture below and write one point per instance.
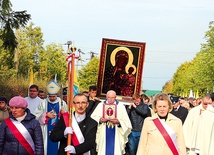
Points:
(18, 101)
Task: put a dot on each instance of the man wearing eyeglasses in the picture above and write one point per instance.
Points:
(83, 130)
(33, 99)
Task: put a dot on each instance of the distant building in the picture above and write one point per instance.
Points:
(151, 92)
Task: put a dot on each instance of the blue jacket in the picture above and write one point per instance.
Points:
(10, 145)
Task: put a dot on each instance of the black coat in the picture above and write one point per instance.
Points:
(137, 116)
(180, 113)
(92, 105)
(88, 128)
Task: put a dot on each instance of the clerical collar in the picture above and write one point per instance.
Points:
(79, 118)
(165, 117)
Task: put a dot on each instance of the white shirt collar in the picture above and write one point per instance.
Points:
(79, 118)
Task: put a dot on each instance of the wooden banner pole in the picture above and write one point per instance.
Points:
(70, 97)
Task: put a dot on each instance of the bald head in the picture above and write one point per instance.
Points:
(111, 96)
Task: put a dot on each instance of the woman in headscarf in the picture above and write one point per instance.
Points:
(21, 132)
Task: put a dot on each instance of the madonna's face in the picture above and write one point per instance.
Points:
(121, 61)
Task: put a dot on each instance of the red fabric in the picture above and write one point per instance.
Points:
(47, 118)
(166, 136)
(19, 136)
(74, 138)
(65, 116)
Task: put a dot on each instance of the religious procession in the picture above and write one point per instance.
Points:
(162, 124)
(110, 118)
(113, 115)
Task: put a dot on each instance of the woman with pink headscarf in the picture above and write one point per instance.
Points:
(21, 132)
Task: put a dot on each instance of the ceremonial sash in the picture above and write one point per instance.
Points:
(21, 134)
(77, 136)
(168, 134)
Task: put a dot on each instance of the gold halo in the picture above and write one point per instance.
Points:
(127, 68)
(127, 50)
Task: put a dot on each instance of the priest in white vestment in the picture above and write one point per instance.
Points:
(112, 134)
(192, 123)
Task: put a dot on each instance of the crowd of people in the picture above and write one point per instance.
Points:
(164, 124)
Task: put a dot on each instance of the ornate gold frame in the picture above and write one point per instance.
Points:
(109, 50)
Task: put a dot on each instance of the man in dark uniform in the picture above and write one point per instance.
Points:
(178, 110)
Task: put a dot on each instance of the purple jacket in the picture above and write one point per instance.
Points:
(10, 145)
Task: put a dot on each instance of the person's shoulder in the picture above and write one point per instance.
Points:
(27, 98)
(142, 104)
(31, 118)
(63, 102)
(208, 113)
(3, 124)
(39, 99)
(174, 118)
(184, 109)
(147, 119)
(195, 109)
(91, 121)
(43, 101)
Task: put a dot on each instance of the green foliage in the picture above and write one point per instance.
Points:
(209, 37)
(198, 74)
(167, 88)
(88, 75)
(11, 20)
(30, 53)
(56, 62)
(29, 48)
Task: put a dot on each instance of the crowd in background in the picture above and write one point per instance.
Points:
(139, 127)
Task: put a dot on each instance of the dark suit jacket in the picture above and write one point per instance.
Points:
(88, 127)
(181, 113)
(92, 105)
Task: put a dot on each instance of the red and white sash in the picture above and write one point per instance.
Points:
(168, 134)
(77, 136)
(21, 134)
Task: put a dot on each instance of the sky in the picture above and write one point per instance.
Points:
(173, 30)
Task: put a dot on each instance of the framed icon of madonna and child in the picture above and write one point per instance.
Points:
(121, 67)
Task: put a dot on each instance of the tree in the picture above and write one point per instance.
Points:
(209, 37)
(88, 75)
(10, 20)
(29, 49)
(198, 74)
(167, 88)
(180, 79)
(45, 61)
(54, 62)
